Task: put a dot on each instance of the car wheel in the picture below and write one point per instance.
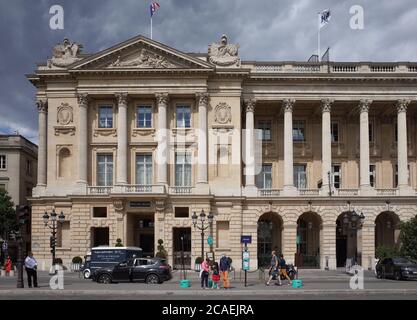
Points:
(104, 278)
(152, 279)
(86, 274)
(398, 276)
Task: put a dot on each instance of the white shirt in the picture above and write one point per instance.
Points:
(30, 262)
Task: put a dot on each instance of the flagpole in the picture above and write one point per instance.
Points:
(318, 38)
(151, 29)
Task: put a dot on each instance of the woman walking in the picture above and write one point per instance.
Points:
(205, 269)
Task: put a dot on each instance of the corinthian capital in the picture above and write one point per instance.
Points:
(202, 98)
(121, 98)
(288, 105)
(326, 105)
(83, 99)
(162, 98)
(250, 105)
(42, 106)
(364, 105)
(402, 105)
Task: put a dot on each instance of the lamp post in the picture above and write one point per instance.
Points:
(54, 218)
(22, 216)
(203, 226)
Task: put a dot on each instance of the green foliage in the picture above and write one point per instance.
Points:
(386, 252)
(409, 238)
(118, 243)
(77, 260)
(162, 253)
(7, 214)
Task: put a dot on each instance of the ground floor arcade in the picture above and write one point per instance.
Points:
(311, 233)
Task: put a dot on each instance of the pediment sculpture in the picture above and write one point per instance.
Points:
(146, 59)
(224, 54)
(65, 54)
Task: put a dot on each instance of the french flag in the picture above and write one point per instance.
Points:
(154, 6)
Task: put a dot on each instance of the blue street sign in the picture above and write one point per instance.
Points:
(210, 240)
(246, 239)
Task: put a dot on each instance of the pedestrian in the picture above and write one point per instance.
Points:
(274, 269)
(215, 276)
(205, 269)
(224, 271)
(31, 267)
(283, 269)
(8, 265)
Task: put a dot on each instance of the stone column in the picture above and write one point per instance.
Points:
(82, 139)
(43, 145)
(368, 245)
(289, 241)
(326, 161)
(122, 139)
(162, 137)
(402, 160)
(328, 246)
(287, 107)
(250, 143)
(202, 101)
(364, 144)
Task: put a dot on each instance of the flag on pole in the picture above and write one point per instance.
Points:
(154, 6)
(324, 18)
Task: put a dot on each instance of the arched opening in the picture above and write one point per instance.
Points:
(348, 229)
(269, 237)
(387, 230)
(64, 163)
(308, 240)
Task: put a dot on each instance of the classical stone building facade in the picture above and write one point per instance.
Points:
(136, 138)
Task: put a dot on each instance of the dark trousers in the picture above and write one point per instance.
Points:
(31, 273)
(204, 279)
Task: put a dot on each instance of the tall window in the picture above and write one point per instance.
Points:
(3, 164)
(29, 168)
(183, 169)
(336, 176)
(105, 170)
(144, 117)
(105, 117)
(144, 169)
(300, 176)
(183, 117)
(298, 130)
(335, 131)
(371, 131)
(264, 178)
(265, 127)
(372, 175)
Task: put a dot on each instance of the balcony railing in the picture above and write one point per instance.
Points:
(99, 190)
(386, 192)
(309, 192)
(143, 189)
(347, 192)
(269, 192)
(181, 190)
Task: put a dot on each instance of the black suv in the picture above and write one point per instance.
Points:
(150, 270)
(398, 268)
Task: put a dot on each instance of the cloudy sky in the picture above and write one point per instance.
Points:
(265, 30)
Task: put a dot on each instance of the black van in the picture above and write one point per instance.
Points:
(107, 257)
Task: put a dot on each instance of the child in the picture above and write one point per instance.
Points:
(215, 277)
(8, 265)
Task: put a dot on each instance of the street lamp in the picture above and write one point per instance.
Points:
(203, 226)
(54, 218)
(351, 216)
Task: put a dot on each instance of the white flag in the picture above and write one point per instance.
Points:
(324, 18)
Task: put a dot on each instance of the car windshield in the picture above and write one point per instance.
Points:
(402, 260)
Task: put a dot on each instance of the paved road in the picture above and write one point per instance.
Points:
(317, 285)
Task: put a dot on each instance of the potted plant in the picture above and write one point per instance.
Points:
(118, 243)
(162, 253)
(197, 263)
(76, 263)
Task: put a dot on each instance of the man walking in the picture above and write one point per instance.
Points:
(224, 271)
(274, 269)
(31, 266)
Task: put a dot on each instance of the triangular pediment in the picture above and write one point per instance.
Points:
(140, 53)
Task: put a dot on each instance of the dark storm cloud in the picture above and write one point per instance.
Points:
(265, 30)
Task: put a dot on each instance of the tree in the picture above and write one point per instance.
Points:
(7, 214)
(409, 238)
(162, 253)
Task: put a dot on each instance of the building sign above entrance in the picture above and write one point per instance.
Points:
(140, 204)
